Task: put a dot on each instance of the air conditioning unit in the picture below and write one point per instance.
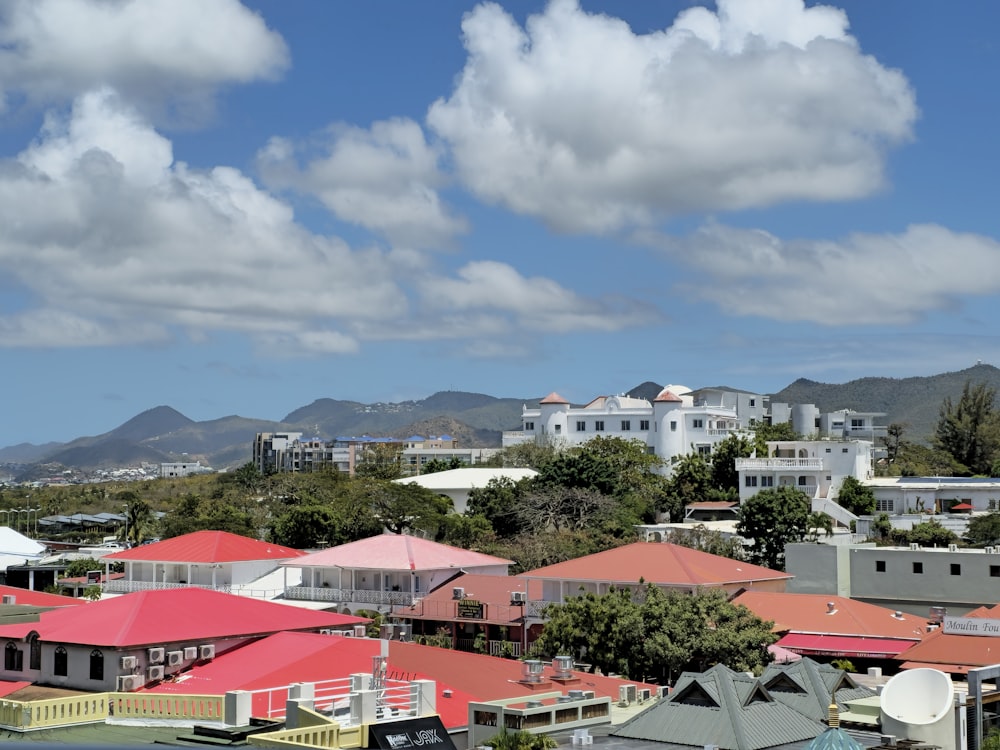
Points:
(10, 599)
(953, 548)
(128, 683)
(129, 662)
(206, 651)
(458, 593)
(156, 655)
(190, 652)
(518, 597)
(914, 545)
(154, 672)
(404, 631)
(645, 694)
(627, 695)
(991, 550)
(175, 658)
(360, 631)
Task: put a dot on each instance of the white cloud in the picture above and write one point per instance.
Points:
(112, 241)
(384, 179)
(579, 121)
(863, 279)
(163, 55)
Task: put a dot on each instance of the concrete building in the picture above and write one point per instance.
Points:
(910, 579)
(183, 469)
(456, 484)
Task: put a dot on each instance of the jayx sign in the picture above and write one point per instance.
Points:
(426, 732)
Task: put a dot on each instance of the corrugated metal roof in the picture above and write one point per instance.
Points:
(207, 547)
(396, 552)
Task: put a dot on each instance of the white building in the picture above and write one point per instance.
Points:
(901, 495)
(456, 484)
(672, 426)
(183, 469)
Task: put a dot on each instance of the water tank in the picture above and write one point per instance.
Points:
(919, 704)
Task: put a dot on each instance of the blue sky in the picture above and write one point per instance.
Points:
(240, 208)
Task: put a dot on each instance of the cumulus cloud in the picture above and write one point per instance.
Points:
(863, 279)
(163, 55)
(577, 120)
(385, 179)
(112, 240)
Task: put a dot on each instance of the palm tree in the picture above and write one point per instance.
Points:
(817, 522)
(138, 520)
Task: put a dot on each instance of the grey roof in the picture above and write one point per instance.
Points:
(809, 687)
(835, 738)
(725, 708)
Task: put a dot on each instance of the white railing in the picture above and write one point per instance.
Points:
(837, 512)
(767, 464)
(121, 586)
(360, 596)
(535, 608)
(505, 648)
(333, 698)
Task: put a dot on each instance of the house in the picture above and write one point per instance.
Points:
(17, 549)
(127, 641)
(834, 626)
(210, 559)
(668, 566)
(920, 495)
(457, 483)
(382, 571)
(673, 425)
(959, 644)
(490, 608)
(911, 579)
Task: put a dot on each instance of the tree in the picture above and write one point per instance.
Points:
(818, 522)
(439, 464)
(893, 440)
(856, 497)
(80, 568)
(138, 518)
(381, 461)
(690, 481)
(648, 634)
(529, 455)
(970, 429)
(763, 433)
(931, 534)
(881, 529)
(497, 502)
(521, 740)
(698, 536)
(984, 531)
(403, 507)
(724, 455)
(773, 518)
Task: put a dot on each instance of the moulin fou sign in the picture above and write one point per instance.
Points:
(971, 626)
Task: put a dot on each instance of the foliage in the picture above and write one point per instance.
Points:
(441, 639)
(468, 532)
(773, 518)
(311, 526)
(881, 528)
(381, 461)
(497, 503)
(818, 522)
(724, 455)
(699, 537)
(690, 481)
(522, 740)
(893, 441)
(970, 429)
(916, 460)
(535, 550)
(650, 634)
(139, 519)
(856, 497)
(439, 464)
(763, 433)
(984, 530)
(846, 664)
(927, 534)
(80, 568)
(405, 507)
(992, 740)
(92, 593)
(529, 455)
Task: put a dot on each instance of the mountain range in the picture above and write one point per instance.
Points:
(163, 434)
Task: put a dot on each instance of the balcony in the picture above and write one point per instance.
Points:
(358, 596)
(776, 464)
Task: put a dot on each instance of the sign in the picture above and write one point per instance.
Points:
(970, 626)
(470, 609)
(424, 732)
(94, 576)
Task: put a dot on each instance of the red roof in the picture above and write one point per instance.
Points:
(844, 645)
(172, 615)
(206, 547)
(286, 658)
(711, 504)
(396, 552)
(811, 613)
(493, 591)
(955, 653)
(553, 398)
(39, 598)
(666, 395)
(662, 564)
(962, 506)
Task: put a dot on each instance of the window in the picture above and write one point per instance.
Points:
(884, 505)
(767, 481)
(644, 425)
(96, 665)
(698, 423)
(626, 425)
(529, 426)
(992, 504)
(750, 481)
(803, 481)
(880, 566)
(599, 425)
(753, 402)
(956, 569)
(34, 652)
(558, 428)
(828, 450)
(60, 666)
(581, 426)
(843, 450)
(995, 571)
(673, 426)
(704, 450)
(918, 568)
(856, 423)
(13, 658)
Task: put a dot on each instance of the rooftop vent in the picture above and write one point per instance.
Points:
(831, 607)
(531, 670)
(563, 667)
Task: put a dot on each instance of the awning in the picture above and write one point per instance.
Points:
(845, 645)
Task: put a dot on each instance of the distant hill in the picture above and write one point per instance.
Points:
(475, 419)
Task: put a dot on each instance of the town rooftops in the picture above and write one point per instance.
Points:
(661, 564)
(169, 616)
(206, 547)
(492, 591)
(37, 598)
(396, 552)
(952, 652)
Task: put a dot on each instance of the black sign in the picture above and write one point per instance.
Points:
(94, 576)
(470, 609)
(408, 734)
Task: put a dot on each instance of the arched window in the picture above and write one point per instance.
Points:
(60, 666)
(34, 652)
(96, 664)
(13, 658)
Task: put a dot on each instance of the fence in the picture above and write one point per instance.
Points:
(98, 707)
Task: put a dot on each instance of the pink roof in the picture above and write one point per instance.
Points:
(553, 398)
(206, 547)
(396, 552)
(172, 615)
(810, 613)
(666, 395)
(285, 658)
(492, 591)
(661, 564)
(39, 598)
